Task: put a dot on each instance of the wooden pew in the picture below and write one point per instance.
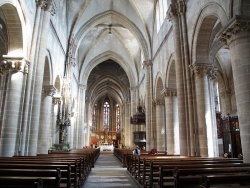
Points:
(66, 178)
(10, 178)
(78, 172)
(74, 165)
(192, 176)
(241, 180)
(121, 154)
(147, 174)
(38, 183)
(164, 169)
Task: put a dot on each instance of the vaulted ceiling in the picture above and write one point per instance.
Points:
(114, 31)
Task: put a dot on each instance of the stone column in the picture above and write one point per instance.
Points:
(147, 65)
(30, 79)
(39, 72)
(214, 135)
(173, 17)
(127, 126)
(133, 91)
(45, 117)
(88, 120)
(56, 101)
(189, 97)
(237, 36)
(201, 71)
(14, 69)
(81, 114)
(160, 125)
(169, 95)
(225, 102)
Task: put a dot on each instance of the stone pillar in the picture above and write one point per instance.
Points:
(237, 36)
(226, 102)
(173, 17)
(13, 69)
(169, 95)
(39, 72)
(189, 97)
(127, 126)
(30, 79)
(133, 107)
(201, 71)
(214, 135)
(160, 125)
(81, 114)
(56, 101)
(176, 126)
(88, 121)
(45, 117)
(147, 65)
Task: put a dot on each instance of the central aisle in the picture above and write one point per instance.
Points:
(108, 172)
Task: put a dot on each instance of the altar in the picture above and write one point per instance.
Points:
(106, 147)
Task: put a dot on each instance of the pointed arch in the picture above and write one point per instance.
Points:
(14, 23)
(158, 86)
(205, 23)
(133, 78)
(143, 41)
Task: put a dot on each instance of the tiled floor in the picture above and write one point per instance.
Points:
(108, 172)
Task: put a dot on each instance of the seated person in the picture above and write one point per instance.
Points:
(153, 152)
(137, 151)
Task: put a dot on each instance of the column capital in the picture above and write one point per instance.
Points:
(13, 64)
(134, 88)
(172, 12)
(181, 7)
(82, 87)
(169, 92)
(147, 63)
(213, 74)
(201, 68)
(238, 25)
(47, 5)
(56, 100)
(158, 102)
(49, 90)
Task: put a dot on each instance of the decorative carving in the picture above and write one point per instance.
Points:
(159, 102)
(49, 90)
(41, 3)
(181, 7)
(169, 92)
(213, 74)
(13, 64)
(56, 100)
(239, 24)
(82, 87)
(201, 69)
(147, 63)
(47, 5)
(172, 12)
